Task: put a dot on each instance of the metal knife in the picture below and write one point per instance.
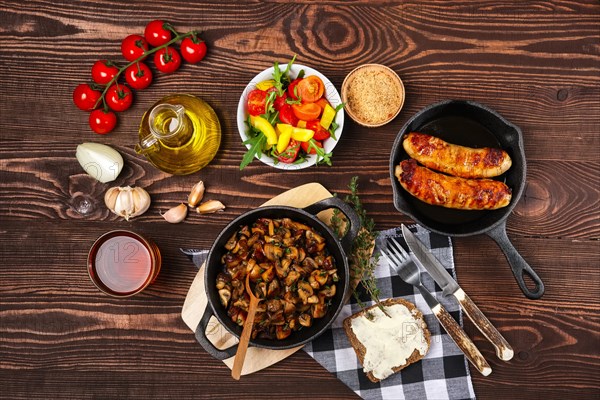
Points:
(423, 258)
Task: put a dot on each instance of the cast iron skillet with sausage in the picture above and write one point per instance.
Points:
(469, 124)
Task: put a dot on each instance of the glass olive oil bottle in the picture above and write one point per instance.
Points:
(180, 134)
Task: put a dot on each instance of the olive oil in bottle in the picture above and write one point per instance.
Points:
(180, 134)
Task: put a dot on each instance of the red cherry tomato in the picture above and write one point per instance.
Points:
(256, 102)
(290, 153)
(85, 98)
(156, 33)
(133, 47)
(167, 60)
(292, 88)
(138, 76)
(193, 49)
(102, 121)
(306, 145)
(280, 101)
(103, 72)
(286, 115)
(320, 132)
(119, 97)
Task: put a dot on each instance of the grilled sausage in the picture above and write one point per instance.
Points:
(449, 191)
(456, 160)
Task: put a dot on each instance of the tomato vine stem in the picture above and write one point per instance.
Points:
(178, 37)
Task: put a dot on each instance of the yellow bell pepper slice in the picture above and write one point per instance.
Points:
(327, 117)
(265, 127)
(302, 134)
(301, 124)
(285, 135)
(264, 85)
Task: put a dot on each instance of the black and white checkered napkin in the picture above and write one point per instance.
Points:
(442, 374)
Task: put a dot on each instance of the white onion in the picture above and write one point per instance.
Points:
(100, 161)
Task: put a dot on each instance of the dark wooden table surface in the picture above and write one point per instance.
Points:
(536, 62)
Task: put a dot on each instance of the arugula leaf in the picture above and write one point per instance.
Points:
(322, 157)
(282, 79)
(256, 145)
(269, 103)
(333, 127)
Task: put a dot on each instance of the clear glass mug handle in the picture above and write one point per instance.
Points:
(158, 131)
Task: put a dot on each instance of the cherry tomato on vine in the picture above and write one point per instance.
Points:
(133, 47)
(256, 102)
(167, 60)
(138, 76)
(156, 33)
(193, 49)
(85, 98)
(119, 97)
(102, 121)
(103, 71)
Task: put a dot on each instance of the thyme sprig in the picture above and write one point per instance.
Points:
(362, 260)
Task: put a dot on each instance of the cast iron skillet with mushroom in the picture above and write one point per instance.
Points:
(290, 270)
(315, 287)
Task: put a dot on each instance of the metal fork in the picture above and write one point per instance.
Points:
(409, 272)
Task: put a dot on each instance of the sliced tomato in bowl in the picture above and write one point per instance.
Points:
(307, 145)
(287, 116)
(291, 90)
(256, 102)
(310, 89)
(306, 111)
(320, 132)
(290, 154)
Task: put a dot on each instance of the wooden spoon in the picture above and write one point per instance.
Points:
(240, 355)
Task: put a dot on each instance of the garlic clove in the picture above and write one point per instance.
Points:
(210, 206)
(176, 214)
(141, 201)
(100, 161)
(124, 204)
(196, 194)
(110, 198)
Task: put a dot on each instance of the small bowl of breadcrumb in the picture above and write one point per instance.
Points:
(373, 95)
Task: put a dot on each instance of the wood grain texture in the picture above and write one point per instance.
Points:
(535, 62)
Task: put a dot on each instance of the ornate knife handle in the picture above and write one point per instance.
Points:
(462, 340)
(503, 350)
(464, 343)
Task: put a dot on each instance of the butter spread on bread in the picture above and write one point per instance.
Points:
(388, 344)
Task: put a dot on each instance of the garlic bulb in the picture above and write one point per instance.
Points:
(100, 161)
(176, 214)
(196, 194)
(127, 202)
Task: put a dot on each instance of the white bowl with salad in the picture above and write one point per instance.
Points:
(290, 117)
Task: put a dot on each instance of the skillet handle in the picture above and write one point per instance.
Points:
(207, 344)
(517, 263)
(353, 219)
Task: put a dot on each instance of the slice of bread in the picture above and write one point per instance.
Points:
(406, 337)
